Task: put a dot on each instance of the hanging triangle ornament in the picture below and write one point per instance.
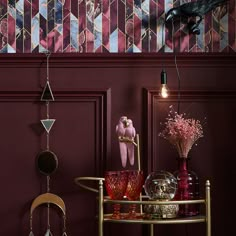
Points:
(47, 93)
(47, 124)
(48, 233)
(31, 233)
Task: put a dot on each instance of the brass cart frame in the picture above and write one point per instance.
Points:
(206, 218)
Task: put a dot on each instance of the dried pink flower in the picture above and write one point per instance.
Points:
(181, 132)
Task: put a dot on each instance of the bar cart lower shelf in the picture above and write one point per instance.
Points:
(103, 217)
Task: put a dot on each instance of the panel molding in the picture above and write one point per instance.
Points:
(98, 60)
(151, 98)
(102, 100)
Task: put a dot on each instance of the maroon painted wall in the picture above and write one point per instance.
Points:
(91, 93)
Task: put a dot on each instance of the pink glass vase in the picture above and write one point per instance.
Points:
(187, 188)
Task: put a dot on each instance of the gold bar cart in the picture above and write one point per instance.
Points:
(103, 217)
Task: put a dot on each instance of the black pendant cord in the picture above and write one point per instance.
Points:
(177, 70)
(163, 43)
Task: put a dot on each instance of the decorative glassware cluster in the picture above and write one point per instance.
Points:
(124, 183)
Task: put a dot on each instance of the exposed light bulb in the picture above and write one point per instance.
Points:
(164, 91)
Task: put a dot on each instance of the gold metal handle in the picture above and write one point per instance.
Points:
(79, 179)
(100, 194)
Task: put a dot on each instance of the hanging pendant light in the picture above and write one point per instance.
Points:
(164, 91)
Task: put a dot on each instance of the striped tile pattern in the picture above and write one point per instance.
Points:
(109, 26)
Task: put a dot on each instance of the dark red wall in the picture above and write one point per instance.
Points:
(91, 93)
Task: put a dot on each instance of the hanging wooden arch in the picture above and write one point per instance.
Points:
(48, 198)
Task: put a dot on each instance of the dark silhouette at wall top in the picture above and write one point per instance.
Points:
(193, 9)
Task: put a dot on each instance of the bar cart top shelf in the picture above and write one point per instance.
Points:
(104, 217)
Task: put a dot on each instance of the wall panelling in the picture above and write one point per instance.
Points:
(91, 93)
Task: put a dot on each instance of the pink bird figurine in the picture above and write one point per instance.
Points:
(130, 134)
(126, 134)
(120, 130)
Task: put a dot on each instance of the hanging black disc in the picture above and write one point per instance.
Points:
(47, 162)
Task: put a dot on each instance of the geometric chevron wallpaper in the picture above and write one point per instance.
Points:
(109, 26)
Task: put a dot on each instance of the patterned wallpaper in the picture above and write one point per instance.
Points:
(110, 26)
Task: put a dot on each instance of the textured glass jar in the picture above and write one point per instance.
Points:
(187, 189)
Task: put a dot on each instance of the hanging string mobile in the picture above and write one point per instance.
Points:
(47, 164)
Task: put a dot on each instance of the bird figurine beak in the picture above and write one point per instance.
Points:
(126, 123)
